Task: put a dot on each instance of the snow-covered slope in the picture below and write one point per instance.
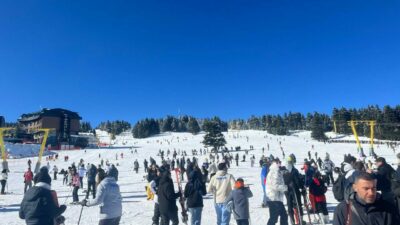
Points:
(136, 209)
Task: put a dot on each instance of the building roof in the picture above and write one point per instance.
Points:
(57, 112)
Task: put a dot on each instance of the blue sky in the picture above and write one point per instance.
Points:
(135, 59)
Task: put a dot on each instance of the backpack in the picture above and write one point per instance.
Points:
(339, 187)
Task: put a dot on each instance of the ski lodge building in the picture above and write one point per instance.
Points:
(63, 123)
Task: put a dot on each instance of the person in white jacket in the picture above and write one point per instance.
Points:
(275, 189)
(221, 185)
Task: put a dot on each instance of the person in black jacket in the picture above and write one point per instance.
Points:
(195, 189)
(292, 179)
(365, 206)
(91, 179)
(384, 176)
(167, 200)
(39, 205)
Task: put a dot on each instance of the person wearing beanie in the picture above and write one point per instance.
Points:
(239, 200)
(221, 186)
(109, 198)
(40, 205)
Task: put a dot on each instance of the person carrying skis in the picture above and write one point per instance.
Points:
(275, 190)
(39, 205)
(239, 200)
(28, 177)
(154, 190)
(108, 197)
(167, 200)
(194, 191)
(221, 186)
(318, 190)
(292, 179)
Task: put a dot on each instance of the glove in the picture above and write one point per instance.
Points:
(83, 202)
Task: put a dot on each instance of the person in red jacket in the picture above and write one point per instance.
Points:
(28, 177)
(318, 190)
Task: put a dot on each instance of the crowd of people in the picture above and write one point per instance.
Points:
(368, 192)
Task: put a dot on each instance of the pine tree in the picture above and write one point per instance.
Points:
(214, 137)
(317, 129)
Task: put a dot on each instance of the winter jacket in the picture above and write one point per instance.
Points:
(154, 188)
(75, 181)
(38, 206)
(264, 173)
(378, 213)
(194, 190)
(318, 190)
(28, 176)
(275, 185)
(212, 169)
(166, 195)
(109, 197)
(384, 177)
(91, 174)
(293, 179)
(240, 198)
(221, 186)
(328, 166)
(4, 176)
(82, 171)
(309, 173)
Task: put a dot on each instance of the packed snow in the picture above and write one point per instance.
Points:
(136, 208)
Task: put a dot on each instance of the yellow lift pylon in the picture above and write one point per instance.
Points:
(42, 147)
(3, 148)
(371, 123)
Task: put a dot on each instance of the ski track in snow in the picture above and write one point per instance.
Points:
(136, 209)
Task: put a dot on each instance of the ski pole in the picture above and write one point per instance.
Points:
(80, 215)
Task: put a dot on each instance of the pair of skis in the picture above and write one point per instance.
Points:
(184, 213)
(310, 207)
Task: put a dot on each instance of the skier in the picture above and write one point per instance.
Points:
(195, 189)
(264, 173)
(82, 173)
(318, 190)
(328, 166)
(3, 180)
(32, 209)
(275, 189)
(221, 186)
(28, 177)
(55, 171)
(108, 197)
(136, 166)
(237, 159)
(91, 179)
(295, 185)
(252, 161)
(154, 190)
(75, 184)
(145, 165)
(167, 200)
(239, 199)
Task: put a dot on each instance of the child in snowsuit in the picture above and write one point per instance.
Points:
(318, 190)
(240, 202)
